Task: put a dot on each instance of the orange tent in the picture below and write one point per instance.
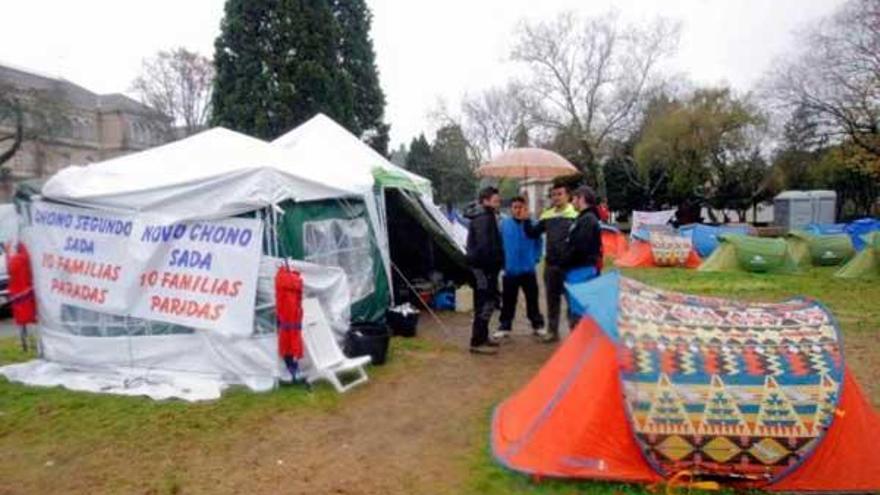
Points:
(613, 242)
(568, 421)
(652, 384)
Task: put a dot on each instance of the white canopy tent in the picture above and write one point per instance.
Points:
(324, 150)
(216, 174)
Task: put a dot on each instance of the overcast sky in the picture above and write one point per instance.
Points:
(426, 49)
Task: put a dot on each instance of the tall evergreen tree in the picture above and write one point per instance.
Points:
(451, 171)
(419, 159)
(359, 63)
(279, 62)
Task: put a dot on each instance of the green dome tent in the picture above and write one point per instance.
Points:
(737, 252)
(866, 264)
(820, 250)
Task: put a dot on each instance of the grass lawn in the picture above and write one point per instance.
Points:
(111, 444)
(45, 430)
(855, 303)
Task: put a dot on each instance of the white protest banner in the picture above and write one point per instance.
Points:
(201, 274)
(642, 218)
(79, 256)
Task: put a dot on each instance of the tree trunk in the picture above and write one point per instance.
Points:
(594, 168)
(712, 216)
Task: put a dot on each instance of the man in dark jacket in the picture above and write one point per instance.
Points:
(584, 243)
(485, 255)
(555, 223)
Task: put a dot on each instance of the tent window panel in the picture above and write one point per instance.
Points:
(264, 320)
(265, 317)
(344, 244)
(89, 323)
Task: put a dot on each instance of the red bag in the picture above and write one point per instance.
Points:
(21, 286)
(288, 307)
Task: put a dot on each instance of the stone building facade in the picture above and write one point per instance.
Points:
(66, 124)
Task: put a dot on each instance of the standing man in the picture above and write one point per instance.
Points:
(485, 256)
(584, 243)
(521, 254)
(603, 211)
(555, 223)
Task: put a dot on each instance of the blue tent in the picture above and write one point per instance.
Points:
(826, 228)
(859, 228)
(705, 237)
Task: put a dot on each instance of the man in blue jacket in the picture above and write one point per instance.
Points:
(521, 254)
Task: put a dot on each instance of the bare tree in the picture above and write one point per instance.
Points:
(835, 78)
(178, 84)
(496, 117)
(592, 75)
(11, 126)
(441, 116)
(28, 114)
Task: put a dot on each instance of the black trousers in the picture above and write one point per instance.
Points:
(554, 287)
(485, 302)
(510, 287)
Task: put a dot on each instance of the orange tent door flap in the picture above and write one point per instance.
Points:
(847, 459)
(569, 421)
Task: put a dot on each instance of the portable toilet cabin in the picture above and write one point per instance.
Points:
(792, 209)
(824, 204)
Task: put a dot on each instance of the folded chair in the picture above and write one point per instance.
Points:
(323, 352)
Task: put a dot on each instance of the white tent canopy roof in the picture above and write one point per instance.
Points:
(216, 173)
(331, 153)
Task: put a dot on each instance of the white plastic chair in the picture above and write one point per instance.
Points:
(326, 358)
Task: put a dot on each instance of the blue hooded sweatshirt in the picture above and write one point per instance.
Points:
(521, 253)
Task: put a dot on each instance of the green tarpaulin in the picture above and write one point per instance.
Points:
(337, 232)
(391, 179)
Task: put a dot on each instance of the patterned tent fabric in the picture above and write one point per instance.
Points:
(727, 388)
(670, 250)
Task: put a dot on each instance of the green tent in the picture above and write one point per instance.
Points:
(820, 250)
(737, 252)
(866, 264)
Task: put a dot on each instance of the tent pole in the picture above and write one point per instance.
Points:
(443, 327)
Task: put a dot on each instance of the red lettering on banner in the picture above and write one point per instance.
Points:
(86, 268)
(186, 307)
(80, 292)
(200, 284)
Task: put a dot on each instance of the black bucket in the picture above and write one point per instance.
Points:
(402, 325)
(367, 339)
